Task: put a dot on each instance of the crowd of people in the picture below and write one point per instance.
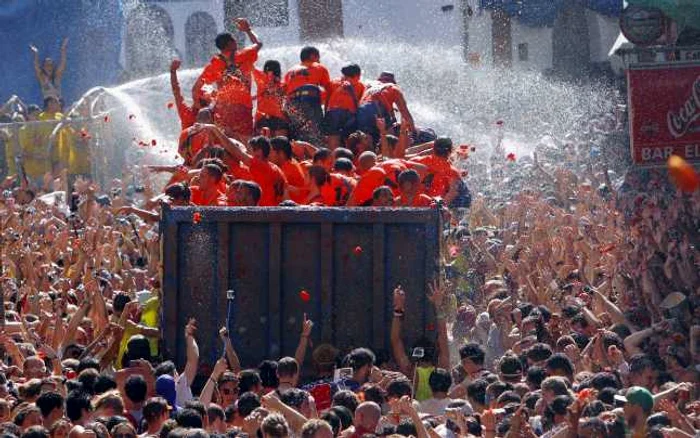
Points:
(308, 140)
(570, 304)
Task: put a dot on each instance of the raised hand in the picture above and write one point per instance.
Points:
(223, 334)
(306, 327)
(437, 294)
(191, 327)
(399, 299)
(175, 64)
(242, 24)
(33, 48)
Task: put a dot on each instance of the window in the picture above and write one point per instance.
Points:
(522, 52)
(263, 13)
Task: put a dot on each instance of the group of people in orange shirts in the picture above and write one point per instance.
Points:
(303, 138)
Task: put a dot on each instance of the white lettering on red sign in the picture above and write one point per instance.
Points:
(692, 151)
(680, 122)
(656, 154)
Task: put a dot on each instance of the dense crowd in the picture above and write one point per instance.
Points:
(570, 305)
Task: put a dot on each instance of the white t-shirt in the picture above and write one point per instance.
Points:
(182, 390)
(434, 406)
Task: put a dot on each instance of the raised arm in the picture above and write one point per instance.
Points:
(397, 347)
(300, 354)
(233, 147)
(174, 83)
(209, 388)
(62, 63)
(192, 351)
(437, 296)
(233, 361)
(405, 113)
(37, 65)
(244, 26)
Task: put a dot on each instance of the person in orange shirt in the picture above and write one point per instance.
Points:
(269, 111)
(378, 102)
(207, 193)
(341, 109)
(369, 181)
(193, 139)
(324, 158)
(242, 193)
(410, 187)
(281, 155)
(187, 114)
(393, 169)
(442, 178)
(305, 85)
(344, 166)
(241, 61)
(358, 142)
(270, 178)
(383, 197)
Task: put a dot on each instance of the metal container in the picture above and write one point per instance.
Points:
(337, 265)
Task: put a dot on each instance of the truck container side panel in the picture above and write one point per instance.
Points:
(197, 255)
(248, 277)
(405, 265)
(301, 270)
(352, 309)
(348, 260)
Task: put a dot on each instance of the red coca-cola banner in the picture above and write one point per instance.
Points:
(664, 109)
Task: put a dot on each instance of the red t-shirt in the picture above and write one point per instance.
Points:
(341, 97)
(270, 98)
(393, 168)
(386, 94)
(369, 181)
(214, 71)
(187, 115)
(310, 73)
(420, 200)
(440, 176)
(337, 191)
(271, 181)
(294, 174)
(198, 197)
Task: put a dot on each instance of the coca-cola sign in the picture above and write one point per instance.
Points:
(681, 120)
(664, 112)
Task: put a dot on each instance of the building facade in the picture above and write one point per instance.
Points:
(483, 32)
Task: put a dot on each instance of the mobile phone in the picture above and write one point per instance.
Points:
(418, 353)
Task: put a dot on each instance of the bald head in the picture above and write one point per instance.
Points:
(367, 160)
(367, 416)
(81, 432)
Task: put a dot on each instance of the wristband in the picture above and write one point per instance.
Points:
(398, 313)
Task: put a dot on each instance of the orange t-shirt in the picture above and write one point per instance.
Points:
(187, 115)
(420, 200)
(393, 168)
(270, 98)
(440, 175)
(341, 97)
(236, 169)
(294, 174)
(214, 71)
(311, 73)
(271, 181)
(369, 181)
(198, 197)
(337, 191)
(385, 94)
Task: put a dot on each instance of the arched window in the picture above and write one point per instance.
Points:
(200, 32)
(149, 40)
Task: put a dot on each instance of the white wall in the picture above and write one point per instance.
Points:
(539, 43)
(282, 36)
(180, 11)
(414, 21)
(603, 32)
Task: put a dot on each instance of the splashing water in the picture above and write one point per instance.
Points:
(442, 92)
